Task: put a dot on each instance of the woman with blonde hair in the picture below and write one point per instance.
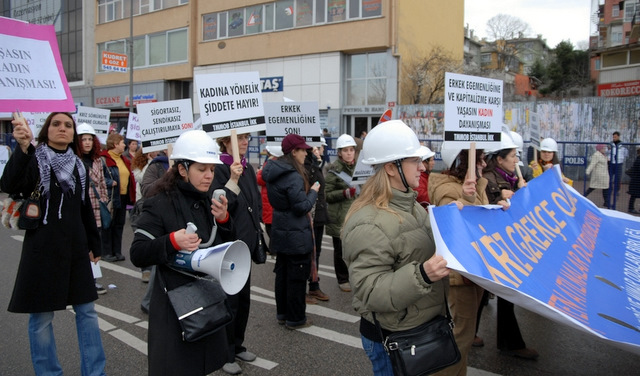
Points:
(388, 244)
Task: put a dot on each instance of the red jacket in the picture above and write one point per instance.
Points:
(267, 209)
(132, 180)
(423, 190)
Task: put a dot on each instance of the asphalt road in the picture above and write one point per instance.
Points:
(330, 347)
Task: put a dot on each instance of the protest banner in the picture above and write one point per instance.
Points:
(473, 108)
(230, 101)
(32, 77)
(133, 128)
(98, 118)
(553, 252)
(161, 123)
(301, 118)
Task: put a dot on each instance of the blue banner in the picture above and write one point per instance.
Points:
(553, 252)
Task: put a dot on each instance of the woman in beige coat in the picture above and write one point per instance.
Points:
(599, 173)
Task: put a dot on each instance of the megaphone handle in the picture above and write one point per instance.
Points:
(191, 228)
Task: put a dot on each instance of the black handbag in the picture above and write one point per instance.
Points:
(30, 212)
(201, 306)
(424, 349)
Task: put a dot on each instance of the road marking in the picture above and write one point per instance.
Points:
(120, 269)
(130, 340)
(263, 363)
(332, 335)
(116, 314)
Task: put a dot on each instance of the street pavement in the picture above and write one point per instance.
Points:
(330, 347)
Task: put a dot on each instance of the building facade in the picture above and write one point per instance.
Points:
(615, 52)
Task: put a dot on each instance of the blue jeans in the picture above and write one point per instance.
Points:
(378, 356)
(43, 344)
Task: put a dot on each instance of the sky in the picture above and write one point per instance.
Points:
(555, 20)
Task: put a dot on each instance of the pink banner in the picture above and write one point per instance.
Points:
(32, 78)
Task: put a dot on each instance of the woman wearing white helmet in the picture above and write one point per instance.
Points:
(89, 153)
(465, 297)
(547, 158)
(502, 184)
(388, 244)
(179, 197)
(340, 195)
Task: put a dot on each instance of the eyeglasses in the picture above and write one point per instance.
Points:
(242, 137)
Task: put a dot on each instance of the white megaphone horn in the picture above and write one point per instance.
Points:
(229, 263)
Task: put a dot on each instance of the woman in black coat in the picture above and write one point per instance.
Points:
(238, 179)
(179, 197)
(291, 232)
(55, 268)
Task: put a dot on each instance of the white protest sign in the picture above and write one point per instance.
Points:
(361, 173)
(284, 118)
(98, 118)
(133, 128)
(161, 123)
(230, 101)
(473, 110)
(32, 77)
(4, 157)
(534, 129)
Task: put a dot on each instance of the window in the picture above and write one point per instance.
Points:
(485, 59)
(366, 81)
(616, 35)
(615, 11)
(283, 15)
(629, 10)
(112, 10)
(149, 50)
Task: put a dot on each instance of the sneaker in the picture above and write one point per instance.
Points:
(119, 257)
(307, 324)
(346, 287)
(318, 294)
(146, 274)
(100, 289)
(523, 353)
(232, 368)
(310, 299)
(246, 356)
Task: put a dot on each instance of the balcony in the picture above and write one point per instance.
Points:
(635, 26)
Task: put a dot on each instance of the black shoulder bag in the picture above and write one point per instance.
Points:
(200, 305)
(424, 349)
(259, 252)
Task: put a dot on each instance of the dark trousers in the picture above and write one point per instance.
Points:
(509, 336)
(292, 272)
(615, 176)
(318, 232)
(605, 195)
(342, 272)
(632, 202)
(112, 237)
(240, 305)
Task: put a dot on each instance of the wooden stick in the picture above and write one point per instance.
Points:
(169, 152)
(518, 171)
(234, 146)
(471, 169)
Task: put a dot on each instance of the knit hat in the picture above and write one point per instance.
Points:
(292, 142)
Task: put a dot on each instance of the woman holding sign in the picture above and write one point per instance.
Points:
(179, 197)
(238, 179)
(55, 269)
(388, 245)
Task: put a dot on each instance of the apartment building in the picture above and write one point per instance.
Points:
(615, 52)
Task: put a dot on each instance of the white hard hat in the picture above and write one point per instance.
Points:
(323, 141)
(449, 152)
(344, 141)
(390, 141)
(427, 153)
(196, 146)
(506, 142)
(84, 128)
(549, 144)
(517, 139)
(274, 150)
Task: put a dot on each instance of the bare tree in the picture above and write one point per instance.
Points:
(423, 75)
(502, 28)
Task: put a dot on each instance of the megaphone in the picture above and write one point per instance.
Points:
(229, 263)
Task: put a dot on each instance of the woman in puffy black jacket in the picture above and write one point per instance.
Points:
(291, 232)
